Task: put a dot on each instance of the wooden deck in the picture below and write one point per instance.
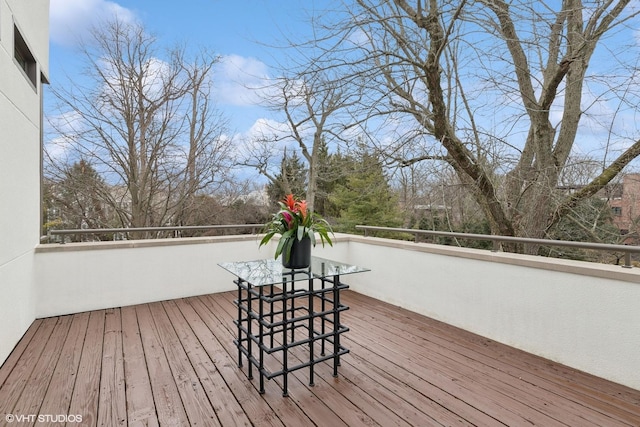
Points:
(173, 363)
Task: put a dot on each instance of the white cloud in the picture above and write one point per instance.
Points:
(61, 133)
(241, 81)
(268, 128)
(263, 133)
(57, 150)
(266, 138)
(70, 20)
(154, 78)
(359, 38)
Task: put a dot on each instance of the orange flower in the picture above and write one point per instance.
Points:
(302, 208)
(290, 202)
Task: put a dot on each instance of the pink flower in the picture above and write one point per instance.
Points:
(288, 219)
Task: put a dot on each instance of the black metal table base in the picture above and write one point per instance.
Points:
(270, 321)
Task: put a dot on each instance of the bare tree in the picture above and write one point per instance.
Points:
(495, 89)
(75, 201)
(145, 123)
(314, 108)
(209, 149)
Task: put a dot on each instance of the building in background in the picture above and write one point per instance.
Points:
(625, 204)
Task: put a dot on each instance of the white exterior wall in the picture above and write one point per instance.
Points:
(583, 315)
(20, 151)
(78, 277)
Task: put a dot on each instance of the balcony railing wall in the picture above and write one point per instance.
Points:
(582, 314)
(78, 277)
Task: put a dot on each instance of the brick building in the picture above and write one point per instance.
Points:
(625, 204)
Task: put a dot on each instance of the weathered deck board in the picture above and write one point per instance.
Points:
(40, 375)
(198, 408)
(112, 405)
(86, 391)
(16, 355)
(141, 410)
(225, 407)
(62, 383)
(174, 363)
(526, 382)
(166, 396)
(581, 394)
(16, 379)
(307, 409)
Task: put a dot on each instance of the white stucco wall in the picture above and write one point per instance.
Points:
(20, 112)
(580, 314)
(88, 276)
(78, 277)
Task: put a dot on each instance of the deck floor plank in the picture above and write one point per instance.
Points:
(448, 379)
(204, 326)
(41, 374)
(583, 395)
(174, 363)
(169, 407)
(141, 409)
(60, 389)
(327, 389)
(18, 373)
(306, 407)
(16, 355)
(196, 403)
(112, 405)
(421, 401)
(469, 369)
(86, 391)
(580, 383)
(226, 407)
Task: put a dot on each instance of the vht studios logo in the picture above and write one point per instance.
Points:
(43, 418)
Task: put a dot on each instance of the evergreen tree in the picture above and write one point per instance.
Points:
(365, 197)
(336, 169)
(292, 179)
(325, 181)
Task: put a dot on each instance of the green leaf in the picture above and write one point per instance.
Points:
(280, 247)
(266, 238)
(286, 251)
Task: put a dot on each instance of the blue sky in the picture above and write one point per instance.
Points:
(241, 30)
(236, 30)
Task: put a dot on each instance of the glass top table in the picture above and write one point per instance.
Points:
(279, 312)
(266, 272)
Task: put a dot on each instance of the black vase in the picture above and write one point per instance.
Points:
(300, 256)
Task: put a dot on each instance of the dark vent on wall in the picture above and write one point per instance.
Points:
(24, 57)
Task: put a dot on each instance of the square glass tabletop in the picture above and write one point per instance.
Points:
(265, 272)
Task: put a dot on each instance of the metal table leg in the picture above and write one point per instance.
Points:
(336, 325)
(261, 338)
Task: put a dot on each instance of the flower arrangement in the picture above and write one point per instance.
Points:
(294, 221)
